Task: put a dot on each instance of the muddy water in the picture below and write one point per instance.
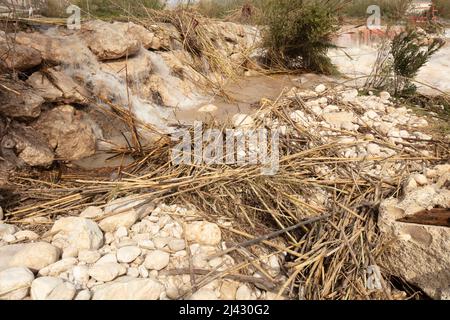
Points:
(244, 94)
(358, 52)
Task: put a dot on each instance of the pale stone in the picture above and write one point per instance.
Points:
(70, 252)
(157, 260)
(58, 267)
(172, 293)
(204, 294)
(121, 233)
(91, 213)
(15, 283)
(161, 242)
(88, 256)
(9, 238)
(107, 258)
(338, 119)
(410, 185)
(78, 232)
(133, 272)
(320, 88)
(228, 290)
(34, 256)
(419, 253)
(80, 274)
(128, 288)
(83, 295)
(44, 87)
(137, 32)
(134, 69)
(128, 254)
(349, 95)
(385, 96)
(107, 42)
(203, 232)
(244, 293)
(209, 108)
(177, 245)
(43, 286)
(105, 272)
(421, 179)
(7, 229)
(114, 222)
(63, 291)
(373, 149)
(143, 271)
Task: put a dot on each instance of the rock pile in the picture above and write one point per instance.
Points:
(125, 251)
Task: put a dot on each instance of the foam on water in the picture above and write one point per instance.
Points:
(178, 97)
(85, 68)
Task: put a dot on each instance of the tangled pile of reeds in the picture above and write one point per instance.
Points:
(200, 39)
(329, 244)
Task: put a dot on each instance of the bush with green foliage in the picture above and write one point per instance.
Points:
(409, 56)
(398, 64)
(299, 33)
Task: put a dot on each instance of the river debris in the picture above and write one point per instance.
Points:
(342, 154)
(327, 225)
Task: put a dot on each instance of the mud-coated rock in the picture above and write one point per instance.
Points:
(17, 57)
(108, 42)
(67, 132)
(30, 146)
(134, 69)
(137, 32)
(17, 100)
(56, 48)
(44, 87)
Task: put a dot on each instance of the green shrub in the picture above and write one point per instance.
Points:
(409, 57)
(299, 33)
(400, 62)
